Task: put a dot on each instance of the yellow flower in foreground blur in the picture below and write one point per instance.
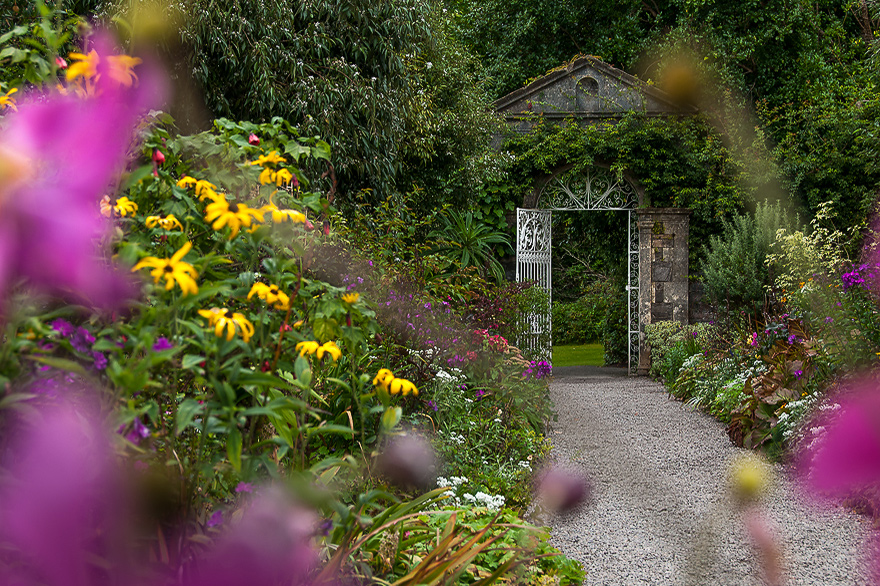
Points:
(85, 66)
(750, 477)
(203, 188)
(221, 320)
(312, 347)
(272, 157)
(125, 206)
(351, 298)
(173, 270)
(271, 294)
(169, 222)
(6, 101)
(235, 215)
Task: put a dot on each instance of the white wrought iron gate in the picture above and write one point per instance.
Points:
(533, 233)
(596, 189)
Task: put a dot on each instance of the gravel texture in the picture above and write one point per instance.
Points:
(660, 513)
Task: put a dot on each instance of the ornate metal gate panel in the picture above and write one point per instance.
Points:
(533, 264)
(595, 189)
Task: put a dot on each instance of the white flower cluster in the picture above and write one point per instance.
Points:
(526, 465)
(491, 502)
(456, 438)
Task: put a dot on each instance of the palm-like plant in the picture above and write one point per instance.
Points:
(471, 242)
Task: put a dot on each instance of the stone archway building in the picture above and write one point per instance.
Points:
(589, 91)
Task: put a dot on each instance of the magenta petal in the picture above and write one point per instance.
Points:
(51, 221)
(846, 458)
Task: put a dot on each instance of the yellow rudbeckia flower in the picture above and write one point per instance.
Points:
(271, 294)
(222, 321)
(401, 385)
(312, 347)
(203, 188)
(279, 177)
(351, 298)
(383, 378)
(125, 206)
(279, 215)
(169, 222)
(7, 101)
(392, 384)
(235, 215)
(309, 347)
(272, 157)
(173, 270)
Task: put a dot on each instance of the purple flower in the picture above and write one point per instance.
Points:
(161, 344)
(60, 154)
(215, 519)
(137, 432)
(829, 320)
(798, 374)
(63, 327)
(244, 487)
(82, 340)
(432, 405)
(792, 339)
(100, 360)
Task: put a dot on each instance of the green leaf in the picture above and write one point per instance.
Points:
(61, 364)
(186, 412)
(233, 448)
(191, 360)
(391, 418)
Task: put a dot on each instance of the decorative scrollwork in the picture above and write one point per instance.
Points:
(595, 189)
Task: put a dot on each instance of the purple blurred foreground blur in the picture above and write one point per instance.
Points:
(58, 155)
(64, 519)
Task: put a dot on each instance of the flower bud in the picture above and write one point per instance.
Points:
(60, 62)
(158, 157)
(253, 139)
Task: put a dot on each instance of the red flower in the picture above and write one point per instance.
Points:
(253, 139)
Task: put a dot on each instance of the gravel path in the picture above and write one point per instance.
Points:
(659, 512)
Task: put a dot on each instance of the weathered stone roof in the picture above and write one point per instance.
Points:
(586, 89)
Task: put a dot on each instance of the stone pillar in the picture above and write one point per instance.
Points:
(663, 270)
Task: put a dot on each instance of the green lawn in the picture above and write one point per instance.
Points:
(579, 355)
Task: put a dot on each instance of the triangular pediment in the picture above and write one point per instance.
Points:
(587, 88)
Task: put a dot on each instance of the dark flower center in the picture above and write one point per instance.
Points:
(233, 207)
(168, 268)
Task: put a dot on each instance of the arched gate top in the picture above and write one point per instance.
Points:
(593, 189)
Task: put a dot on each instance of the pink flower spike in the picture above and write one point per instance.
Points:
(158, 157)
(253, 139)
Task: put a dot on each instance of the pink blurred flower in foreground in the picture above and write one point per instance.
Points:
(842, 458)
(560, 490)
(59, 506)
(272, 544)
(58, 155)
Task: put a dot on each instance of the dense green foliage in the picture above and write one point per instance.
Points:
(736, 269)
